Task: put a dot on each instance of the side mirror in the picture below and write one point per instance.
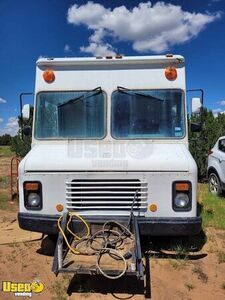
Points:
(196, 106)
(26, 130)
(26, 112)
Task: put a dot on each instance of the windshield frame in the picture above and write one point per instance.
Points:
(70, 138)
(184, 110)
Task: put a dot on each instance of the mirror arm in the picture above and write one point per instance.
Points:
(21, 108)
(202, 94)
(202, 99)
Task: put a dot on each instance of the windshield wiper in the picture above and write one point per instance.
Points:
(97, 90)
(124, 90)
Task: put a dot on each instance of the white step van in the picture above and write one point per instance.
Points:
(110, 137)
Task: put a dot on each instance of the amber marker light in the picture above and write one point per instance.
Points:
(153, 207)
(182, 186)
(31, 186)
(171, 73)
(59, 207)
(49, 76)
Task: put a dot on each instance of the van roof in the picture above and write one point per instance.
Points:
(111, 60)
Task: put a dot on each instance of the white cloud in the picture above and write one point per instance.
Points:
(218, 111)
(149, 27)
(11, 127)
(67, 48)
(1, 120)
(98, 49)
(2, 100)
(86, 14)
(41, 56)
(222, 102)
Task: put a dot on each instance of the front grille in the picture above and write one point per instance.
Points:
(86, 194)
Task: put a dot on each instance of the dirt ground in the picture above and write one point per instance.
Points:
(170, 274)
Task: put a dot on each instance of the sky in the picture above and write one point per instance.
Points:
(64, 28)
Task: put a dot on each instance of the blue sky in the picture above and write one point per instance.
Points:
(58, 28)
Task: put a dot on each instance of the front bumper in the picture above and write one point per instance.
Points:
(47, 224)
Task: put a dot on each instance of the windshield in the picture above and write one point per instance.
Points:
(148, 114)
(79, 114)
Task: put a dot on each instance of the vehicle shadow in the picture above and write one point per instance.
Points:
(126, 287)
(187, 247)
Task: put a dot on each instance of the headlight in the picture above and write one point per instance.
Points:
(32, 195)
(181, 200)
(33, 200)
(182, 196)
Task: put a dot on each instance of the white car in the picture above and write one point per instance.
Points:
(216, 167)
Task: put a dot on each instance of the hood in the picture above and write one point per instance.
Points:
(102, 156)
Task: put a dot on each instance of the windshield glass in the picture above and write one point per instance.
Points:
(79, 114)
(148, 114)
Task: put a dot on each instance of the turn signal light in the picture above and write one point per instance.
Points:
(171, 73)
(59, 207)
(49, 76)
(31, 186)
(182, 186)
(153, 207)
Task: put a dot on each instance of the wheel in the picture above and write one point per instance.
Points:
(214, 184)
(48, 245)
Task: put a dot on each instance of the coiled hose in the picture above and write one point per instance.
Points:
(106, 248)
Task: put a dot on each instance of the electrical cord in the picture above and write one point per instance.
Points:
(115, 253)
(71, 215)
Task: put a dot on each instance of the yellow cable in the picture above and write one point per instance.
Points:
(76, 236)
(83, 221)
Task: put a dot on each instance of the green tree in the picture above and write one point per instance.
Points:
(5, 140)
(202, 142)
(221, 124)
(21, 146)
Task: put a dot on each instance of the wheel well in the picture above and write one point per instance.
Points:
(212, 170)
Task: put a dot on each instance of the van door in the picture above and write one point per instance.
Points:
(221, 157)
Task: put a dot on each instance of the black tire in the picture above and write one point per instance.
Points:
(215, 184)
(48, 245)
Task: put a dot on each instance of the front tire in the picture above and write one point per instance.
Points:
(48, 245)
(215, 184)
